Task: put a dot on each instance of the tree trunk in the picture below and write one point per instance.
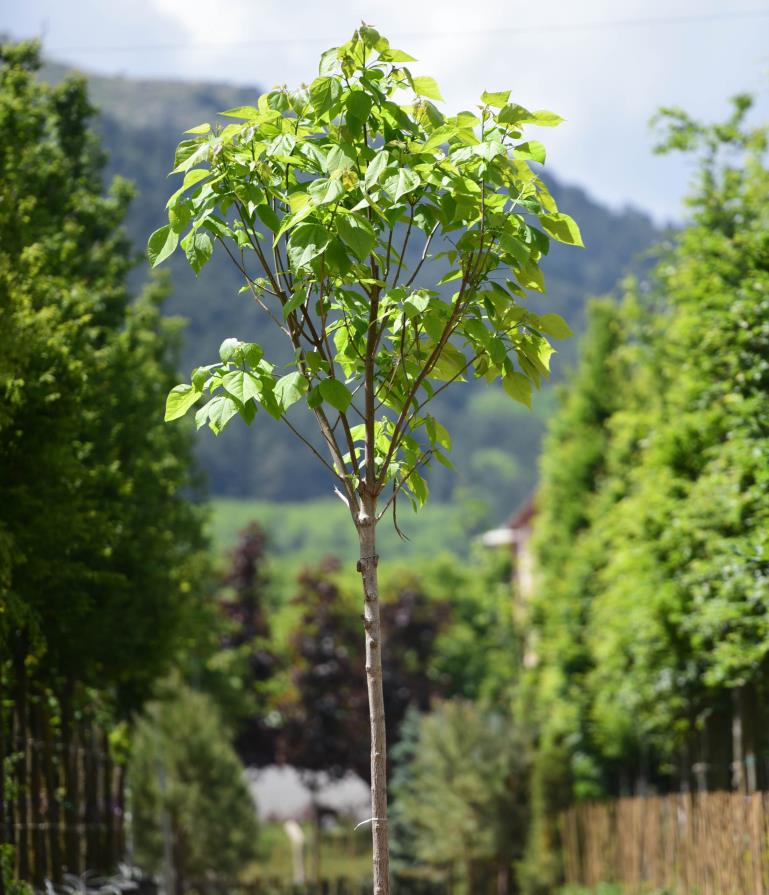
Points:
(367, 566)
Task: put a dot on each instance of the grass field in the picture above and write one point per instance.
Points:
(308, 532)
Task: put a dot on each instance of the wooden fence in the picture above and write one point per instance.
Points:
(707, 844)
(61, 806)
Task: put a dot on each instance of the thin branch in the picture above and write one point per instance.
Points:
(437, 391)
(424, 256)
(252, 286)
(425, 371)
(403, 248)
(398, 487)
(311, 447)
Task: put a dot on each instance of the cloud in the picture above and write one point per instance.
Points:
(605, 78)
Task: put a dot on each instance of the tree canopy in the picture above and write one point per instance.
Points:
(99, 545)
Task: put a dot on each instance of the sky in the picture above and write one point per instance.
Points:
(605, 66)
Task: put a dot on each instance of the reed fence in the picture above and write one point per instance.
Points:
(62, 805)
(705, 844)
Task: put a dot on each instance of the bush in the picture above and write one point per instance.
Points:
(184, 772)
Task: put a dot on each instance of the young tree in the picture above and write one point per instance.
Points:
(185, 776)
(317, 196)
(461, 797)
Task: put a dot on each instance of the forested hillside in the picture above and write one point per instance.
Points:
(497, 441)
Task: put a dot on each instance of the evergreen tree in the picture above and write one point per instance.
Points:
(185, 774)
(460, 799)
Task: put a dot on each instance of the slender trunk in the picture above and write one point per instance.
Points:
(367, 566)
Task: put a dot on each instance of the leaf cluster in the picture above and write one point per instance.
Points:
(315, 195)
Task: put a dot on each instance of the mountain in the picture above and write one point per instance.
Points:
(496, 441)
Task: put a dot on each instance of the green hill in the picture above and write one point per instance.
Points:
(496, 441)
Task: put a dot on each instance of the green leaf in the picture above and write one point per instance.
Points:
(198, 248)
(199, 129)
(339, 158)
(416, 304)
(289, 389)
(425, 86)
(268, 217)
(518, 387)
(554, 325)
(358, 234)
(450, 363)
(495, 99)
(179, 216)
(161, 244)
(229, 349)
(392, 55)
(294, 302)
(221, 410)
(358, 105)
(179, 401)
(418, 487)
(530, 277)
(514, 246)
(243, 385)
(401, 183)
(314, 398)
(336, 394)
(329, 61)
(545, 119)
(532, 149)
(247, 112)
(190, 179)
(489, 150)
(324, 92)
(306, 242)
(189, 153)
(562, 227)
(248, 411)
(252, 354)
(375, 168)
(514, 114)
(325, 190)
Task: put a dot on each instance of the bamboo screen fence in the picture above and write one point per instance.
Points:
(707, 844)
(62, 805)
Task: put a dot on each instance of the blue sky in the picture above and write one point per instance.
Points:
(605, 66)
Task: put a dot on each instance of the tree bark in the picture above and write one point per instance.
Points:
(367, 566)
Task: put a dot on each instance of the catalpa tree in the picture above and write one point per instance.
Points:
(393, 247)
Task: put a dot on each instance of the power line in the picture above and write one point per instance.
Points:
(596, 25)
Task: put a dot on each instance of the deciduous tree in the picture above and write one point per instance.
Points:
(316, 195)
